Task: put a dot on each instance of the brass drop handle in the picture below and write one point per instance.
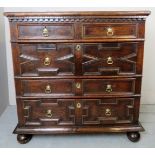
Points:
(78, 47)
(48, 89)
(110, 32)
(108, 112)
(49, 113)
(47, 61)
(45, 32)
(109, 88)
(78, 85)
(109, 61)
(78, 105)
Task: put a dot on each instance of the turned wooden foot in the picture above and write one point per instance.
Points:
(23, 138)
(133, 136)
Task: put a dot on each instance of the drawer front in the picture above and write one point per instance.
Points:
(46, 59)
(110, 58)
(109, 86)
(46, 31)
(108, 111)
(50, 88)
(85, 112)
(51, 59)
(77, 87)
(109, 30)
(45, 112)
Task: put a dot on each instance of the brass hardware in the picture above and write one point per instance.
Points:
(78, 105)
(49, 113)
(78, 47)
(109, 61)
(47, 61)
(78, 85)
(48, 89)
(45, 32)
(110, 31)
(108, 112)
(109, 88)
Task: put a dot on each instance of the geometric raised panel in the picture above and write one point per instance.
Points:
(122, 58)
(46, 59)
(62, 112)
(95, 111)
(62, 60)
(27, 111)
(91, 112)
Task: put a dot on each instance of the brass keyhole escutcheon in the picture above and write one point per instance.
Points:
(49, 113)
(78, 105)
(78, 47)
(108, 112)
(45, 32)
(78, 85)
(48, 89)
(110, 32)
(47, 61)
(109, 61)
(109, 88)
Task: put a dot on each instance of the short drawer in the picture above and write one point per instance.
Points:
(50, 88)
(46, 31)
(109, 30)
(108, 87)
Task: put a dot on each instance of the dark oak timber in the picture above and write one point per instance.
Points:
(77, 72)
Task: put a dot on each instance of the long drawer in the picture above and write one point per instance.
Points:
(77, 112)
(76, 87)
(51, 59)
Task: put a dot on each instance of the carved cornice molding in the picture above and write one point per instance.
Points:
(71, 19)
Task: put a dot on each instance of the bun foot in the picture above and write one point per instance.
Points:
(133, 136)
(23, 139)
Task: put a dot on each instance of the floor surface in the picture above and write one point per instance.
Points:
(8, 121)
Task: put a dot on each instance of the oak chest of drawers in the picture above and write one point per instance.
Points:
(77, 72)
